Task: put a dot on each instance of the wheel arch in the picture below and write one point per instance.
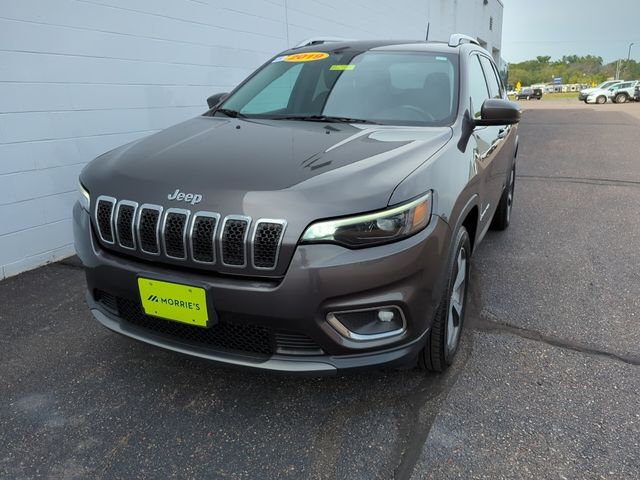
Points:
(468, 218)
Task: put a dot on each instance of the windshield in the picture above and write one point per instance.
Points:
(396, 88)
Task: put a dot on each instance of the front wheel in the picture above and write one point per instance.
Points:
(443, 338)
(601, 99)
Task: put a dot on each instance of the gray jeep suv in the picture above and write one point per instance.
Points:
(320, 217)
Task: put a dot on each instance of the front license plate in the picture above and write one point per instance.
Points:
(173, 301)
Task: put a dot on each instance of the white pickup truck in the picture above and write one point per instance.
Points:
(626, 91)
(603, 86)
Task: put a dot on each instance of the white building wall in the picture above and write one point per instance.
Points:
(471, 17)
(79, 77)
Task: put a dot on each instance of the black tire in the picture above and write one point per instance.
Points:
(502, 217)
(438, 353)
(601, 99)
(620, 98)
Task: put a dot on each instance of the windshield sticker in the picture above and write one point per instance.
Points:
(342, 67)
(305, 57)
(442, 58)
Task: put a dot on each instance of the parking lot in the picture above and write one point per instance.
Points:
(546, 386)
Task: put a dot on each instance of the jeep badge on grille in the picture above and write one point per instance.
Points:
(192, 198)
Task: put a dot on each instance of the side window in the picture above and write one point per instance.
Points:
(492, 79)
(503, 91)
(477, 86)
(276, 95)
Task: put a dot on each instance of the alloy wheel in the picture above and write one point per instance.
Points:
(512, 180)
(456, 303)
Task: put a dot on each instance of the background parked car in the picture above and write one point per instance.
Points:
(625, 91)
(584, 93)
(529, 93)
(602, 95)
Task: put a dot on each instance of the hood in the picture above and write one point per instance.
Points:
(296, 170)
(598, 91)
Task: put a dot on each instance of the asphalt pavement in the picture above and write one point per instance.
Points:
(546, 384)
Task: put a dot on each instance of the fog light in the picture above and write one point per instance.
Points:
(369, 324)
(385, 315)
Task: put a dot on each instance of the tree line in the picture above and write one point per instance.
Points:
(572, 68)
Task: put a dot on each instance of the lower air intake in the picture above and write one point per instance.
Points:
(252, 339)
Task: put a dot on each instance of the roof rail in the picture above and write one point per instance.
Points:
(458, 39)
(320, 40)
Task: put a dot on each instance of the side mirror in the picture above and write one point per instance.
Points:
(497, 111)
(215, 99)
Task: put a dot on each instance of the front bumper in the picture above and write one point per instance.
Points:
(320, 279)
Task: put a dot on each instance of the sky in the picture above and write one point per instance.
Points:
(566, 27)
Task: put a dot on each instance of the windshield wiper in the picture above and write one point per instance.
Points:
(230, 113)
(326, 118)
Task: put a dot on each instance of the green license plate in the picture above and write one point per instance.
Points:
(174, 301)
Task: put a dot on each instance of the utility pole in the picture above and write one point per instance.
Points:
(629, 55)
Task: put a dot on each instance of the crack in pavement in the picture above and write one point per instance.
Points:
(417, 410)
(424, 405)
(71, 262)
(489, 322)
(584, 180)
(481, 319)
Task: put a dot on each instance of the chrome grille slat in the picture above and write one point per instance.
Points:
(103, 214)
(174, 233)
(124, 223)
(233, 240)
(204, 238)
(148, 228)
(265, 242)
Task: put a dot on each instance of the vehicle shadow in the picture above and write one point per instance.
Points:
(360, 425)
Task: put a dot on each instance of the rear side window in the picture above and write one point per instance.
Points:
(492, 79)
(477, 86)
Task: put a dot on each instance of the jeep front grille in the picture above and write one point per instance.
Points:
(178, 234)
(149, 228)
(125, 215)
(174, 232)
(104, 218)
(234, 238)
(203, 237)
(266, 243)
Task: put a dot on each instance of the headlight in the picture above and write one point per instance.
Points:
(373, 228)
(83, 197)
